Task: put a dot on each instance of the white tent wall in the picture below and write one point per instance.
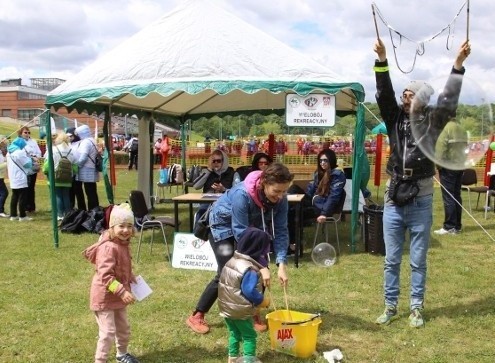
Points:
(199, 60)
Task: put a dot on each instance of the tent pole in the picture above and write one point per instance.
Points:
(357, 163)
(51, 176)
(183, 143)
(108, 156)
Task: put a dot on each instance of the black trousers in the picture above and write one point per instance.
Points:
(77, 194)
(18, 199)
(451, 194)
(30, 203)
(91, 195)
(133, 159)
(223, 250)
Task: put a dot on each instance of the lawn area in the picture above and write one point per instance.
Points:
(45, 316)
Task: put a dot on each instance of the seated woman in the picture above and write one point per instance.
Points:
(325, 190)
(260, 162)
(216, 178)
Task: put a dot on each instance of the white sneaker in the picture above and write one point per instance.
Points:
(25, 219)
(60, 219)
(14, 218)
(3, 215)
(443, 231)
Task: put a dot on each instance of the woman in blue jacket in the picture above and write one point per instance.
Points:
(259, 201)
(327, 186)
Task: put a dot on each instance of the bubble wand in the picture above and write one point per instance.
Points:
(374, 19)
(467, 25)
(25, 125)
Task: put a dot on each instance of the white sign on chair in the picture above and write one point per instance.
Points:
(193, 253)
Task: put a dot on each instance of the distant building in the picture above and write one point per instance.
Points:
(24, 103)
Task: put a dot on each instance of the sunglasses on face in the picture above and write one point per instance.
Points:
(216, 161)
(26, 132)
(323, 161)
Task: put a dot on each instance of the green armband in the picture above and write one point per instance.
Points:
(380, 69)
(113, 286)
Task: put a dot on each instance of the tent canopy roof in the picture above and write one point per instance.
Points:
(198, 60)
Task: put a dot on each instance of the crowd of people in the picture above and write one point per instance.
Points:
(249, 222)
(22, 157)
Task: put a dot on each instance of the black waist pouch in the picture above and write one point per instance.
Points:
(402, 191)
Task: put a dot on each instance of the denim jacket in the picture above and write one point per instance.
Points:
(327, 205)
(238, 208)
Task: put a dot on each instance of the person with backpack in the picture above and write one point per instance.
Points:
(64, 164)
(87, 172)
(132, 148)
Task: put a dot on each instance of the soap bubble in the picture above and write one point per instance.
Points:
(454, 135)
(324, 255)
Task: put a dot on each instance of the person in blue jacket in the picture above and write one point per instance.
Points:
(327, 186)
(259, 201)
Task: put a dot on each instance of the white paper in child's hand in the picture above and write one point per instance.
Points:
(140, 289)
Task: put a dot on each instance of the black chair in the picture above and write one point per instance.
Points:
(334, 219)
(144, 220)
(490, 192)
(469, 182)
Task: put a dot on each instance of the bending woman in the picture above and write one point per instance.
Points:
(259, 201)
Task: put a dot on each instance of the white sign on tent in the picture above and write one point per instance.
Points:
(193, 253)
(312, 110)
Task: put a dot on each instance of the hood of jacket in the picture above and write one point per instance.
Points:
(251, 184)
(83, 132)
(225, 164)
(18, 144)
(90, 252)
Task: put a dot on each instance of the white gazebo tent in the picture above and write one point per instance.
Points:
(200, 60)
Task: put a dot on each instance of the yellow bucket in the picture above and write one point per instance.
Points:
(293, 332)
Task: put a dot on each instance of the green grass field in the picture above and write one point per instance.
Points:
(45, 317)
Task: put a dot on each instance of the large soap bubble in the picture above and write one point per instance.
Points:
(454, 131)
(324, 255)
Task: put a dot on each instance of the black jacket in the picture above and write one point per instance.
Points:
(404, 151)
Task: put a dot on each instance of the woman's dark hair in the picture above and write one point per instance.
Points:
(324, 176)
(276, 173)
(256, 159)
(332, 160)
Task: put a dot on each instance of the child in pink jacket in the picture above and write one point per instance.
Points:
(110, 289)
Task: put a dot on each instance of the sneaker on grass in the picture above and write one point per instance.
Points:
(443, 231)
(416, 319)
(127, 358)
(389, 315)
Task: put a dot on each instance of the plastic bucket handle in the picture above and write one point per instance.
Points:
(301, 321)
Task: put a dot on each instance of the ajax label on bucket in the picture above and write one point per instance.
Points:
(285, 338)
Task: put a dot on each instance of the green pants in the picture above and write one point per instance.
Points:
(241, 331)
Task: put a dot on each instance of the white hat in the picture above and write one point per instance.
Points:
(121, 214)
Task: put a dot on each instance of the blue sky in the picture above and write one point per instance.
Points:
(58, 38)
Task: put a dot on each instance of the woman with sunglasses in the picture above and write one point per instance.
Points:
(260, 203)
(34, 151)
(217, 177)
(323, 193)
(327, 186)
(260, 162)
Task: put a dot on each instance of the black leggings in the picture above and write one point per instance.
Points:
(223, 251)
(18, 199)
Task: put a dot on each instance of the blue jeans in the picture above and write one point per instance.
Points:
(62, 195)
(417, 218)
